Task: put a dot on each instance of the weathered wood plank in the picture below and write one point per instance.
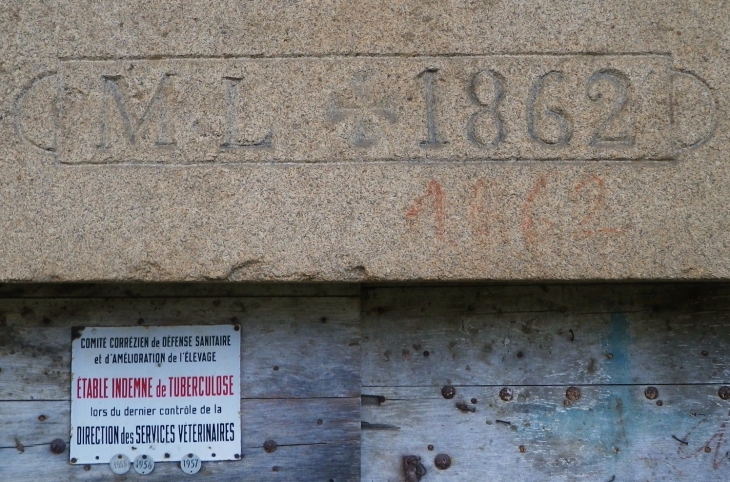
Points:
(575, 297)
(286, 421)
(291, 347)
(609, 433)
(182, 290)
(428, 337)
(338, 462)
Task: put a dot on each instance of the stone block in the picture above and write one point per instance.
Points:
(363, 140)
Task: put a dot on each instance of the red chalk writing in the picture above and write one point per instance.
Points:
(578, 211)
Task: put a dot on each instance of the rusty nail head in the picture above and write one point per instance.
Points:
(724, 393)
(659, 403)
(651, 393)
(704, 353)
(572, 393)
(609, 356)
(474, 401)
(319, 421)
(275, 468)
(87, 467)
(270, 446)
(448, 392)
(566, 403)
(708, 449)
(58, 446)
(442, 461)
(430, 447)
(41, 418)
(506, 394)
(523, 449)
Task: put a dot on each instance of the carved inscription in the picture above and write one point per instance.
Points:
(562, 130)
(533, 107)
(430, 98)
(131, 127)
(361, 108)
(488, 112)
(232, 138)
(621, 86)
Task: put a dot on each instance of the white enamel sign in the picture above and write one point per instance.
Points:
(163, 392)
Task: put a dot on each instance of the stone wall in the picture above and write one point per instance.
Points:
(352, 140)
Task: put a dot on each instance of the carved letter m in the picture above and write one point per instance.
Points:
(131, 126)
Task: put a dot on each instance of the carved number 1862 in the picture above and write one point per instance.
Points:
(611, 131)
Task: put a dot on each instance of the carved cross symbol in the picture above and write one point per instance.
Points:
(364, 109)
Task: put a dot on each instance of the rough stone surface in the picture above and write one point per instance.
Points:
(364, 140)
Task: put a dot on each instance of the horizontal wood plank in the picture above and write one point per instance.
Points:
(609, 433)
(286, 421)
(291, 347)
(182, 290)
(304, 463)
(560, 298)
(565, 334)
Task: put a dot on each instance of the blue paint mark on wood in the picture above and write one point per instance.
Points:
(619, 345)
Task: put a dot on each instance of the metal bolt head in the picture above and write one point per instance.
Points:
(58, 446)
(270, 446)
(523, 449)
(572, 393)
(724, 393)
(506, 394)
(652, 393)
(448, 392)
(442, 461)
